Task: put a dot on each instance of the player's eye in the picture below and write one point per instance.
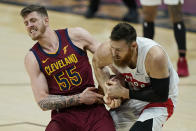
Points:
(33, 20)
(26, 23)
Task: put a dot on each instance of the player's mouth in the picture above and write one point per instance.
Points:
(117, 57)
(33, 30)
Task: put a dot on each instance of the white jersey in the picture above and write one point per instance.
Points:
(158, 2)
(138, 79)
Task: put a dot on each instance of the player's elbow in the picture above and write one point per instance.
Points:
(43, 109)
(42, 105)
(42, 100)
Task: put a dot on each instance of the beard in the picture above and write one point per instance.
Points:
(124, 61)
(120, 63)
(39, 32)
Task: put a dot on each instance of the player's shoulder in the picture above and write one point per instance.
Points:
(78, 33)
(77, 30)
(31, 63)
(30, 58)
(156, 52)
(29, 55)
(103, 53)
(157, 56)
(104, 48)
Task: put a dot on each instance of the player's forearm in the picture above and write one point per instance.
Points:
(55, 102)
(158, 92)
(102, 76)
(147, 95)
(100, 70)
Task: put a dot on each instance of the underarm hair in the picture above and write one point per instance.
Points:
(157, 92)
(55, 102)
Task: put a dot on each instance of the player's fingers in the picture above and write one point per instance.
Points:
(107, 100)
(97, 95)
(100, 101)
(112, 104)
(91, 88)
(117, 102)
(113, 78)
(111, 82)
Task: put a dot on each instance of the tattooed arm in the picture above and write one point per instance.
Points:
(51, 102)
(88, 96)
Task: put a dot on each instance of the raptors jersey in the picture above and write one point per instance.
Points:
(137, 79)
(68, 71)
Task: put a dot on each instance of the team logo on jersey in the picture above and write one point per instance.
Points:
(65, 49)
(44, 61)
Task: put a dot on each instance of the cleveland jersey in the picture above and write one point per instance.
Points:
(68, 71)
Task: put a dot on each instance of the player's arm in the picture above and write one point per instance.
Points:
(83, 39)
(101, 59)
(47, 101)
(157, 68)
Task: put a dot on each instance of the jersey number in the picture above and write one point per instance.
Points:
(73, 78)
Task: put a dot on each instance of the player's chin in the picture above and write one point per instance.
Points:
(34, 38)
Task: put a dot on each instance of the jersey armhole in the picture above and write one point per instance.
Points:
(77, 49)
(37, 58)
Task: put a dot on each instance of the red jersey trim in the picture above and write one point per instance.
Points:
(168, 104)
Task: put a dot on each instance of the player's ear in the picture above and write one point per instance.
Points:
(134, 44)
(46, 19)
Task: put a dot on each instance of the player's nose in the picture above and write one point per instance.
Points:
(30, 25)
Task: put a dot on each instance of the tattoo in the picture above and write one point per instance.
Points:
(55, 102)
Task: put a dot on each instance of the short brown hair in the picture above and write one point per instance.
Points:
(31, 8)
(123, 31)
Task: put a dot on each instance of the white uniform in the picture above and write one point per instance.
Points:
(158, 2)
(136, 110)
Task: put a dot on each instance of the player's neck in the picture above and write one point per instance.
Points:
(133, 61)
(49, 41)
(135, 56)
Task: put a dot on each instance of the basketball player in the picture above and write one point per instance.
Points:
(61, 76)
(150, 90)
(175, 11)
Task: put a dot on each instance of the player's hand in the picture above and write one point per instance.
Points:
(89, 96)
(115, 103)
(114, 89)
(107, 99)
(112, 103)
